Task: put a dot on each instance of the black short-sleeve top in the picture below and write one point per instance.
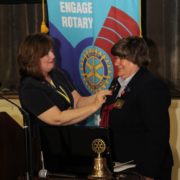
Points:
(37, 96)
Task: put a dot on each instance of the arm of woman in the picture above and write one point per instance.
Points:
(55, 116)
(81, 101)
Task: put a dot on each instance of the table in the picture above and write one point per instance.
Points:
(121, 176)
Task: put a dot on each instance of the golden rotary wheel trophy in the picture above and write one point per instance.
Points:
(100, 169)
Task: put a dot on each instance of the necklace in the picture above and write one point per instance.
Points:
(61, 91)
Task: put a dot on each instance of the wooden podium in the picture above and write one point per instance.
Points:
(12, 148)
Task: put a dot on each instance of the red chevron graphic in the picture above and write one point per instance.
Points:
(126, 20)
(110, 34)
(119, 28)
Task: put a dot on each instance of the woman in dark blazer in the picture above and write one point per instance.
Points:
(137, 112)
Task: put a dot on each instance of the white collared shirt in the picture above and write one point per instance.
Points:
(124, 83)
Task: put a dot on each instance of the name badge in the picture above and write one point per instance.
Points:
(119, 103)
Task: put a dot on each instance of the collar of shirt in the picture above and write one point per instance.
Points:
(123, 83)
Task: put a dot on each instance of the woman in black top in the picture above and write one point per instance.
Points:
(45, 91)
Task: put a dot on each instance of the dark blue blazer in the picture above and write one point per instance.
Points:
(140, 129)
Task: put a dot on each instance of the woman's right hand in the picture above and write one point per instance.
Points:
(100, 97)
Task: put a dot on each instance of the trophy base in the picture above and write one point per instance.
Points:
(100, 170)
(100, 178)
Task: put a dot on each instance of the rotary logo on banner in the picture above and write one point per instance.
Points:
(85, 32)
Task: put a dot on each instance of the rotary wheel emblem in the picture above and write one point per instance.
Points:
(96, 69)
(98, 146)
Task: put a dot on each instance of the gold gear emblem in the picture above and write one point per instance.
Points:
(96, 69)
(98, 146)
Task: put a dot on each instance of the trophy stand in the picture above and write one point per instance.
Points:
(100, 169)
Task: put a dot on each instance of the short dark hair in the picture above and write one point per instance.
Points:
(132, 48)
(31, 50)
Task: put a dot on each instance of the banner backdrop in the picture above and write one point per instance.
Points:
(85, 31)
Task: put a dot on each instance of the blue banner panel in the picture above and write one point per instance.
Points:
(85, 31)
